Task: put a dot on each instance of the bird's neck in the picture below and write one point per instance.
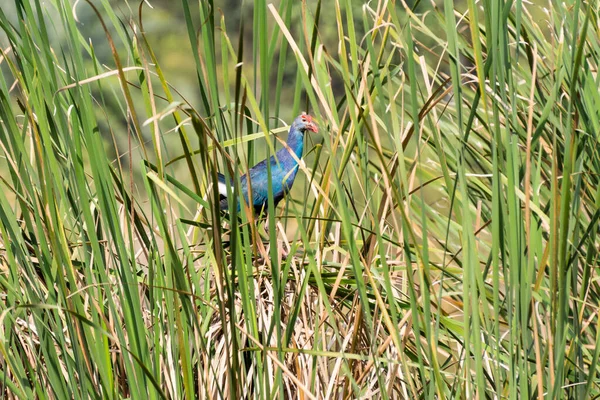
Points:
(295, 141)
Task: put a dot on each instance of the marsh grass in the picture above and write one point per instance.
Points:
(442, 234)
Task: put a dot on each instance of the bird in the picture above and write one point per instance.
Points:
(284, 167)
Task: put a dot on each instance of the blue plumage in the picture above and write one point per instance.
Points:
(284, 168)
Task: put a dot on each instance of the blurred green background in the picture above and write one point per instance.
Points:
(164, 24)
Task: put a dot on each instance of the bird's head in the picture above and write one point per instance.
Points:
(304, 122)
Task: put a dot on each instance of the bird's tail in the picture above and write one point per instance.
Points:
(222, 187)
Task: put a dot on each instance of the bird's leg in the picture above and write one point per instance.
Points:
(267, 224)
(283, 250)
(283, 244)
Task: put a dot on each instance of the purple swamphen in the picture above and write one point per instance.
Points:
(284, 167)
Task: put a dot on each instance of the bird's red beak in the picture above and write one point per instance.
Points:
(311, 126)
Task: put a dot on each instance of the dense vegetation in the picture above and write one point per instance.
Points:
(441, 240)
